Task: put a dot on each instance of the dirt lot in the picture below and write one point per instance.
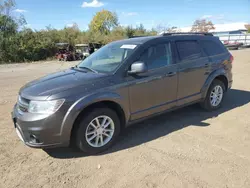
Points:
(186, 148)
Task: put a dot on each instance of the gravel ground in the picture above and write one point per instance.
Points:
(185, 148)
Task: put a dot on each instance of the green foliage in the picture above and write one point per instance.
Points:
(8, 26)
(103, 22)
(130, 32)
(20, 44)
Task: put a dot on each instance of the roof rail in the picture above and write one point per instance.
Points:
(187, 33)
(137, 36)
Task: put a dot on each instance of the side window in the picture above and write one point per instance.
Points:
(188, 50)
(212, 48)
(157, 56)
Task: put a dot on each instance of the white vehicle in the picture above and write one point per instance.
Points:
(87, 49)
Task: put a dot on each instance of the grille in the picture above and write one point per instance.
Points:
(23, 104)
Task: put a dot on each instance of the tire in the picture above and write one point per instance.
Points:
(84, 127)
(207, 104)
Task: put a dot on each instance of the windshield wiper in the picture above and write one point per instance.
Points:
(87, 68)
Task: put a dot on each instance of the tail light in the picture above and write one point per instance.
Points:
(231, 58)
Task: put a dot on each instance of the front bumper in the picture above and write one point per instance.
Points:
(38, 130)
(230, 84)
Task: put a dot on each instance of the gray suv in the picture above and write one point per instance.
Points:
(122, 83)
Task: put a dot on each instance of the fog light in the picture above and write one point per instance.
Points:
(33, 139)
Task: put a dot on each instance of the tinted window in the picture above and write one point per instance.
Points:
(212, 48)
(188, 49)
(157, 56)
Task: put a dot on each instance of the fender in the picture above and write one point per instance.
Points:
(84, 102)
(211, 77)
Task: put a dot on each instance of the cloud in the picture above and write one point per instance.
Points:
(20, 10)
(70, 25)
(94, 3)
(130, 13)
(214, 17)
(206, 16)
(220, 17)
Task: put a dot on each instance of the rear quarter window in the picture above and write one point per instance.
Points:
(188, 50)
(213, 48)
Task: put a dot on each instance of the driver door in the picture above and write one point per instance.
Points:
(156, 90)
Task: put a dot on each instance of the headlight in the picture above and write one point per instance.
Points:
(45, 107)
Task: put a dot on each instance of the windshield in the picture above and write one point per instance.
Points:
(108, 58)
(85, 49)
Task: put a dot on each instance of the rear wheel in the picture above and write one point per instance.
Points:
(215, 96)
(97, 131)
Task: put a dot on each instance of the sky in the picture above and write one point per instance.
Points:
(179, 13)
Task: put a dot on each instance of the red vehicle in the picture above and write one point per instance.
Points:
(233, 45)
(65, 52)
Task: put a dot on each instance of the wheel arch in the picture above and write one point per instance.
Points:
(78, 110)
(220, 75)
(223, 79)
(105, 103)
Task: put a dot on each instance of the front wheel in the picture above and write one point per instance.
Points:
(215, 96)
(97, 131)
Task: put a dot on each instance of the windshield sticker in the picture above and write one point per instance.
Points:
(128, 46)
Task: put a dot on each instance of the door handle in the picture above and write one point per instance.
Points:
(170, 74)
(157, 78)
(186, 69)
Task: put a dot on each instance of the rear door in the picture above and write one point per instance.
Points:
(192, 70)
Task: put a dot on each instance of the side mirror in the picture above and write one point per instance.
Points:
(138, 67)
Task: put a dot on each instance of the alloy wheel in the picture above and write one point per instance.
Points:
(100, 131)
(216, 96)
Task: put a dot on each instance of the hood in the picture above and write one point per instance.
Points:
(57, 82)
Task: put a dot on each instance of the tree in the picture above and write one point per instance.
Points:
(173, 30)
(6, 7)
(71, 34)
(202, 25)
(152, 32)
(129, 31)
(8, 30)
(163, 28)
(140, 30)
(8, 26)
(103, 22)
(248, 27)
